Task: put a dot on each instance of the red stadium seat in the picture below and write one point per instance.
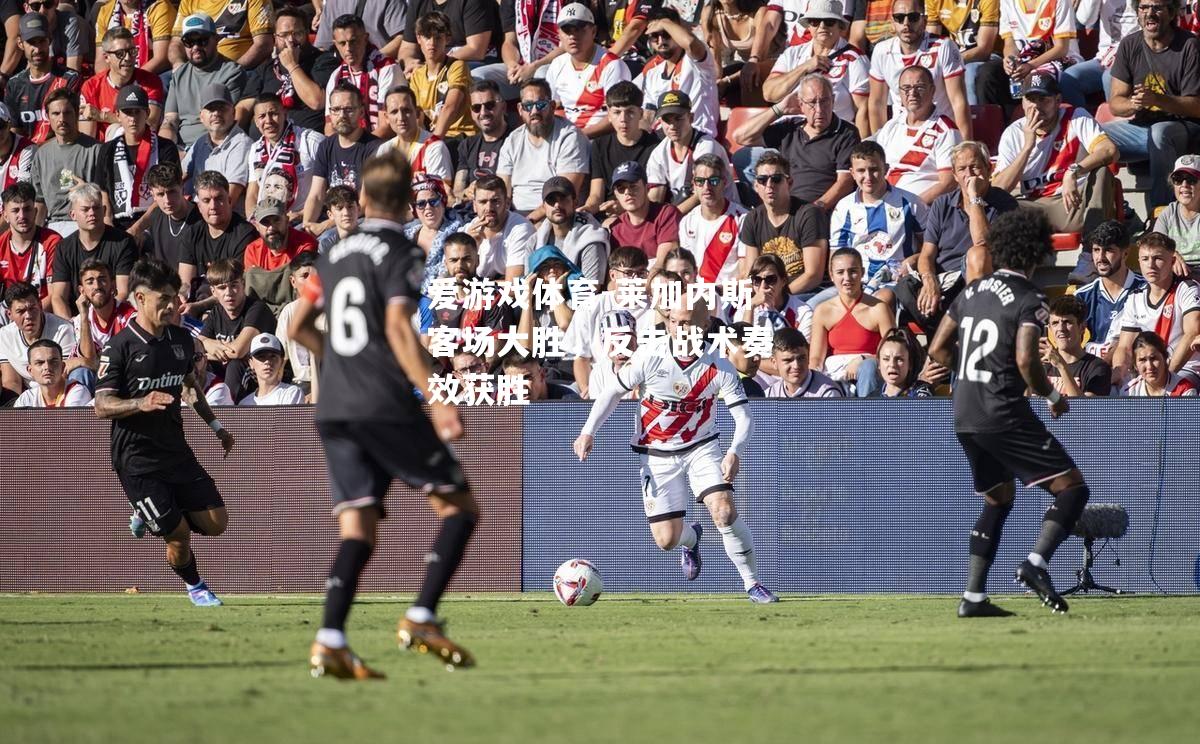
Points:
(737, 117)
(1064, 241)
(987, 124)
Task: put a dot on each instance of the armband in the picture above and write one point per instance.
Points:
(216, 426)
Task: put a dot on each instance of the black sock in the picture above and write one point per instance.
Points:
(985, 541)
(443, 560)
(340, 587)
(1060, 519)
(188, 571)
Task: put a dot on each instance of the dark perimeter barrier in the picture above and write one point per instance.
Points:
(842, 496)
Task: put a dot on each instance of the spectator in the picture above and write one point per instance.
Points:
(651, 227)
(1040, 39)
(295, 353)
(745, 364)
(101, 315)
(224, 148)
(580, 77)
(973, 26)
(153, 22)
(122, 163)
(479, 154)
(817, 144)
(53, 390)
(223, 233)
(173, 215)
(1116, 19)
(284, 146)
(531, 41)
(440, 85)
(544, 146)
(363, 68)
(339, 158)
(1073, 371)
(26, 250)
(954, 251)
(30, 99)
(827, 53)
(344, 213)
(504, 237)
(431, 227)
(98, 107)
(681, 62)
(16, 151)
(912, 45)
(244, 34)
(711, 231)
(899, 360)
(549, 267)
(918, 142)
(1104, 297)
(770, 294)
(730, 31)
(1155, 85)
(474, 29)
(266, 361)
(268, 259)
(62, 163)
(1155, 378)
(789, 352)
(296, 72)
(1178, 221)
(216, 392)
(91, 239)
(384, 22)
(232, 324)
(518, 365)
(575, 233)
(191, 78)
(628, 141)
(783, 18)
(462, 265)
(847, 330)
(680, 261)
(28, 324)
(70, 38)
(671, 163)
(427, 153)
(786, 227)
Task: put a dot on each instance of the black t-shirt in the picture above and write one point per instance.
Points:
(990, 393)
(108, 175)
(805, 225)
(751, 387)
(360, 377)
(131, 366)
(200, 249)
(115, 248)
(608, 153)
(255, 314)
(164, 236)
(815, 162)
(467, 18)
(478, 157)
(1171, 71)
(1092, 374)
(340, 166)
(318, 65)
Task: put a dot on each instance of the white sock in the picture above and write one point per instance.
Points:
(331, 638)
(739, 546)
(974, 596)
(1038, 561)
(687, 538)
(419, 615)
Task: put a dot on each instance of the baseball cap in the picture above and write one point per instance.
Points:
(630, 170)
(823, 9)
(1042, 83)
(5, 114)
(215, 93)
(266, 342)
(132, 97)
(1187, 164)
(575, 14)
(198, 23)
(674, 102)
(33, 26)
(269, 208)
(558, 185)
(617, 321)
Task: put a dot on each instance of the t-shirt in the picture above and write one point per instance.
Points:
(254, 314)
(1165, 317)
(918, 155)
(878, 17)
(940, 56)
(15, 351)
(237, 21)
(431, 95)
(25, 96)
(98, 91)
(73, 396)
(665, 168)
(1091, 373)
(384, 21)
(478, 157)
(1075, 135)
(158, 20)
(949, 228)
(1039, 25)
(164, 235)
(849, 73)
(184, 96)
(115, 248)
(1176, 387)
(565, 151)
(510, 248)
(816, 161)
(269, 77)
(696, 78)
(581, 92)
(283, 395)
(661, 226)
(714, 243)
(885, 233)
(804, 225)
(1116, 19)
(200, 249)
(34, 266)
(792, 11)
(608, 153)
(340, 166)
(258, 255)
(228, 158)
(55, 170)
(816, 384)
(122, 314)
(1185, 232)
(1104, 311)
(962, 20)
(1171, 71)
(467, 18)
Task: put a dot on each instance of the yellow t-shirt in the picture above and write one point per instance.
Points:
(160, 15)
(962, 18)
(431, 94)
(237, 21)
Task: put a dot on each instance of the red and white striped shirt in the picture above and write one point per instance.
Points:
(918, 155)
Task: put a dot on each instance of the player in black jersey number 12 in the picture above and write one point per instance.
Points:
(142, 371)
(992, 330)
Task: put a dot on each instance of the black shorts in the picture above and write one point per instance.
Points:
(1030, 452)
(364, 457)
(163, 498)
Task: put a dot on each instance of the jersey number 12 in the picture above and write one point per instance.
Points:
(978, 340)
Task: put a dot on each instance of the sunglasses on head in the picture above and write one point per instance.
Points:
(196, 40)
(912, 17)
(773, 178)
(713, 181)
(766, 279)
(541, 104)
(477, 107)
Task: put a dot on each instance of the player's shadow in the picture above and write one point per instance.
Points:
(149, 665)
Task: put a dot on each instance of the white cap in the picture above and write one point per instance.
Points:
(1187, 164)
(266, 342)
(575, 13)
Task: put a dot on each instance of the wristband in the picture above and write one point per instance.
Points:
(776, 110)
(753, 58)
(1054, 397)
(216, 426)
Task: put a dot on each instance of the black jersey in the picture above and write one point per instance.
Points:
(132, 365)
(990, 393)
(360, 276)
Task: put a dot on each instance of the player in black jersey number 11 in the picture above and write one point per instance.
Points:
(992, 331)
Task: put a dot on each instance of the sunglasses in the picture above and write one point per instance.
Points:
(541, 104)
(37, 7)
(122, 53)
(827, 22)
(477, 107)
(1182, 178)
(196, 40)
(658, 35)
(768, 280)
(713, 181)
(912, 17)
(773, 178)
(428, 203)
(198, 357)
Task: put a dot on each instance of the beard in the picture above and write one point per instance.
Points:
(274, 240)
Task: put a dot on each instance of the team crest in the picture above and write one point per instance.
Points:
(725, 237)
(680, 387)
(926, 60)
(66, 179)
(180, 354)
(443, 87)
(1044, 23)
(1168, 310)
(592, 86)
(893, 213)
(927, 141)
(975, 15)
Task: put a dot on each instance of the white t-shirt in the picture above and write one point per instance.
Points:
(697, 79)
(1139, 315)
(263, 159)
(15, 351)
(584, 338)
(529, 166)
(850, 73)
(1075, 135)
(297, 354)
(283, 395)
(714, 243)
(428, 154)
(1117, 19)
(581, 92)
(75, 395)
(1048, 20)
(918, 155)
(939, 56)
(511, 248)
(792, 10)
(665, 169)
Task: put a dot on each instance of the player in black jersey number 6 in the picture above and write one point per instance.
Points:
(992, 331)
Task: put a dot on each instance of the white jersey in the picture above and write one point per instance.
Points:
(283, 395)
(1075, 135)
(15, 351)
(918, 155)
(664, 168)
(1046, 21)
(1165, 318)
(850, 74)
(429, 154)
(814, 385)
(1176, 387)
(1116, 18)
(714, 243)
(123, 315)
(792, 11)
(74, 395)
(584, 337)
(581, 92)
(696, 78)
(939, 56)
(510, 248)
(676, 409)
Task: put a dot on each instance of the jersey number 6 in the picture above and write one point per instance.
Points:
(347, 324)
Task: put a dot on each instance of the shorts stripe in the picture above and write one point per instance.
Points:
(667, 516)
(713, 489)
(360, 503)
(1043, 479)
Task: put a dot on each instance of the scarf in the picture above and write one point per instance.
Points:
(11, 167)
(131, 191)
(537, 28)
(367, 83)
(287, 91)
(285, 157)
(137, 26)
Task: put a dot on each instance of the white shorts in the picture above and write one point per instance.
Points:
(667, 478)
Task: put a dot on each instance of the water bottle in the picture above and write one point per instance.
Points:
(1014, 85)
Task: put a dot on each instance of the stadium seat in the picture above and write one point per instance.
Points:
(987, 123)
(1065, 241)
(737, 117)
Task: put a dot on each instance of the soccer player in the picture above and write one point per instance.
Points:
(142, 372)
(369, 285)
(992, 330)
(677, 439)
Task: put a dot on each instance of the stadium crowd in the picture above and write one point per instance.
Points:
(823, 172)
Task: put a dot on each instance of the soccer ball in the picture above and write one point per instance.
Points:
(577, 583)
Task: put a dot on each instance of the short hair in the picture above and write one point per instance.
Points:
(975, 147)
(433, 23)
(348, 89)
(624, 93)
(211, 180)
(115, 33)
(1152, 340)
(916, 354)
(46, 343)
(539, 83)
(383, 181)
(95, 264)
(679, 253)
(85, 192)
(819, 79)
(774, 157)
(712, 161)
(403, 90)
(155, 275)
(349, 20)
(21, 292)
(491, 182)
(224, 270)
(1069, 306)
(340, 196)
(845, 252)
(164, 176)
(922, 71)
(268, 97)
(463, 239)
(288, 11)
(62, 94)
(788, 339)
(670, 276)
(665, 13)
(302, 260)
(868, 149)
(741, 332)
(486, 86)
(1155, 239)
(1019, 239)
(628, 257)
(21, 191)
(514, 358)
(1110, 232)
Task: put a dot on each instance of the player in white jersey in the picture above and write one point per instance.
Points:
(677, 438)
(680, 62)
(580, 77)
(711, 230)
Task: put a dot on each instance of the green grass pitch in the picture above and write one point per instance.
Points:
(632, 668)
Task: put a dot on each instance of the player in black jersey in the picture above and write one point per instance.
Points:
(371, 424)
(992, 332)
(142, 371)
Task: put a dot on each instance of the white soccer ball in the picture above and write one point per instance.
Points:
(577, 583)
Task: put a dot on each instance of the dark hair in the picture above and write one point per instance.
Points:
(224, 270)
(403, 90)
(679, 253)
(348, 89)
(844, 252)
(114, 33)
(340, 196)
(463, 239)
(788, 339)
(349, 20)
(540, 84)
(1069, 306)
(95, 264)
(922, 71)
(62, 94)
(1019, 239)
(774, 157)
(665, 13)
(155, 275)
(304, 259)
(211, 180)
(741, 330)
(1109, 233)
(713, 162)
(433, 23)
(867, 149)
(1156, 240)
(21, 292)
(491, 182)
(775, 262)
(383, 181)
(46, 343)
(628, 257)
(164, 176)
(21, 191)
(916, 354)
(514, 358)
(487, 86)
(624, 93)
(288, 11)
(268, 97)
(1153, 340)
